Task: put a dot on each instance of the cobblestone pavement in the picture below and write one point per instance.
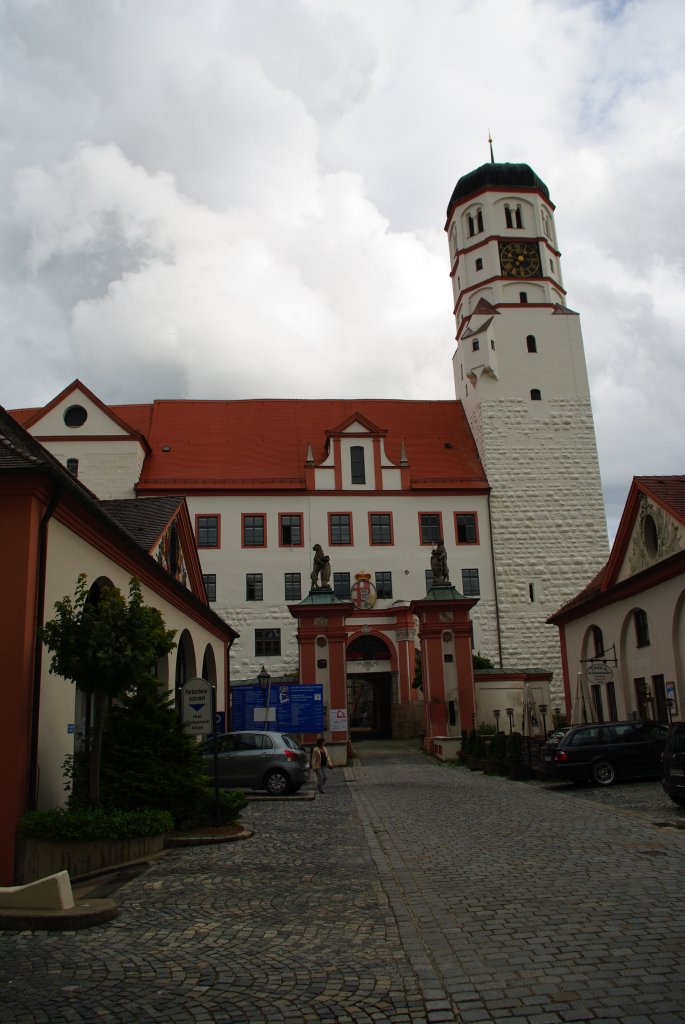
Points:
(410, 893)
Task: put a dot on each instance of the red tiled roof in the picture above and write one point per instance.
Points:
(262, 443)
(668, 491)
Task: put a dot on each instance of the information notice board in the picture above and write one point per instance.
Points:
(298, 707)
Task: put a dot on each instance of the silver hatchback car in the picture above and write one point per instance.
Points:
(250, 759)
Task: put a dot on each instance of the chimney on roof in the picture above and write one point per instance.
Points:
(404, 461)
(310, 455)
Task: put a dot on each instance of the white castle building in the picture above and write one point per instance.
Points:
(507, 473)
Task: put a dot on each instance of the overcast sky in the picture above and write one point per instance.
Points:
(242, 198)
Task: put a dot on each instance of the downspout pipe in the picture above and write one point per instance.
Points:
(41, 571)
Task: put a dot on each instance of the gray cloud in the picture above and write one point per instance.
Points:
(233, 198)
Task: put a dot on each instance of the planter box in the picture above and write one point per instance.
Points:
(446, 748)
(37, 858)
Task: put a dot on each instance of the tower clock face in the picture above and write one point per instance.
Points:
(519, 259)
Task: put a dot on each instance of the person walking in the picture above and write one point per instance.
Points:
(321, 762)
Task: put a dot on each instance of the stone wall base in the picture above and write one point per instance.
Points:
(38, 858)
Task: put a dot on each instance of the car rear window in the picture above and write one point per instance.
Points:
(290, 742)
(584, 737)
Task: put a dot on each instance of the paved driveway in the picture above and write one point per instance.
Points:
(410, 892)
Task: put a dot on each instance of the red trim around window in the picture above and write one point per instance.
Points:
(456, 531)
(243, 517)
(208, 515)
(392, 533)
(290, 515)
(330, 538)
(427, 543)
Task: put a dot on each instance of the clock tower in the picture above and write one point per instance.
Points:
(520, 373)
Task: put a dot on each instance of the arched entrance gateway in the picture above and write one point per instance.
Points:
(369, 687)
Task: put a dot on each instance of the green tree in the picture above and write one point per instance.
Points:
(106, 647)
(149, 760)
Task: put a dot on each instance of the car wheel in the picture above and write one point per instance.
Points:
(603, 773)
(277, 783)
(680, 800)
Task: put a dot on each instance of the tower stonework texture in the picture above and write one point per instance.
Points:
(520, 373)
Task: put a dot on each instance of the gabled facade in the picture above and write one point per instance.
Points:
(52, 528)
(626, 630)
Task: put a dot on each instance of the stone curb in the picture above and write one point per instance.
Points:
(172, 842)
(85, 914)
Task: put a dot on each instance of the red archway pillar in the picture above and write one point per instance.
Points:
(321, 617)
(446, 636)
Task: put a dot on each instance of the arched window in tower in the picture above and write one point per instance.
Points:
(519, 216)
(523, 297)
(472, 226)
(535, 395)
(545, 223)
(507, 216)
(531, 343)
(453, 239)
(479, 220)
(479, 264)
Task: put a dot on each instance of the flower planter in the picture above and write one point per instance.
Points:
(37, 858)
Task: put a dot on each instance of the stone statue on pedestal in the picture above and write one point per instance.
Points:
(441, 573)
(322, 568)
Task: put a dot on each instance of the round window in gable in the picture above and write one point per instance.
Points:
(75, 416)
(650, 536)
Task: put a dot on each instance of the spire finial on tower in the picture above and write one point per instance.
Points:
(492, 155)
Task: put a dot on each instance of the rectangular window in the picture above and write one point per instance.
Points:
(341, 585)
(430, 525)
(290, 529)
(467, 527)
(470, 584)
(340, 527)
(254, 586)
(357, 464)
(254, 531)
(210, 586)
(384, 584)
(207, 531)
(293, 586)
(267, 642)
(380, 527)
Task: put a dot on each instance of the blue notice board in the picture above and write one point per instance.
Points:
(299, 707)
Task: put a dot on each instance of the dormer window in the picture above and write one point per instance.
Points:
(357, 464)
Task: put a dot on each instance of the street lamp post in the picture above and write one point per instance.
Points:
(497, 713)
(510, 716)
(556, 717)
(264, 680)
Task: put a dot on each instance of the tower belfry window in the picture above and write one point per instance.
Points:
(507, 217)
(519, 217)
(479, 220)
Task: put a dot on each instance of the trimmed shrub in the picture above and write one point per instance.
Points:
(62, 825)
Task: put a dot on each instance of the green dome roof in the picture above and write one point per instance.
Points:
(500, 175)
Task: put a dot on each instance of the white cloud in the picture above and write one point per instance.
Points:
(246, 197)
